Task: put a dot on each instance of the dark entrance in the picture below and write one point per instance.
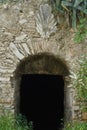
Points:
(42, 100)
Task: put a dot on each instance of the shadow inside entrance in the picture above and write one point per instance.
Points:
(42, 101)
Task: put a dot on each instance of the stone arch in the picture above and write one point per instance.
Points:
(41, 63)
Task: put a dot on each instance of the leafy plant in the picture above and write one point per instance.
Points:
(72, 6)
(81, 31)
(57, 5)
(8, 122)
(76, 126)
(81, 83)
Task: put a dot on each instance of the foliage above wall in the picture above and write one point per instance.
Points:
(75, 8)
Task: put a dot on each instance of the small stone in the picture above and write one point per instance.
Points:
(7, 33)
(26, 47)
(6, 6)
(22, 21)
(16, 51)
(21, 37)
(16, 7)
(31, 13)
(6, 70)
(84, 116)
(5, 79)
(76, 108)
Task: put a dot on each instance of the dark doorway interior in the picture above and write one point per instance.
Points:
(42, 100)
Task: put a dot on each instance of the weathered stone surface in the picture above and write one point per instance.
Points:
(6, 70)
(25, 46)
(16, 51)
(45, 22)
(5, 79)
(20, 39)
(22, 21)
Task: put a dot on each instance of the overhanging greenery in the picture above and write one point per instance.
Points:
(75, 8)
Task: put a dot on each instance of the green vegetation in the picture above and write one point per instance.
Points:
(74, 8)
(8, 122)
(76, 126)
(81, 83)
(81, 31)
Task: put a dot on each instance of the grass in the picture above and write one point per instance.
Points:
(8, 122)
(76, 126)
(81, 83)
(81, 33)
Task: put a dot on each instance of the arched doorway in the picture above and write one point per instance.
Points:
(42, 100)
(39, 68)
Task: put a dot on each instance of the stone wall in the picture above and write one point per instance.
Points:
(19, 39)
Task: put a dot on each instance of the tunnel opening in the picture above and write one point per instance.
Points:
(42, 100)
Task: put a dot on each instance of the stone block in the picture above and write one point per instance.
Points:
(84, 116)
